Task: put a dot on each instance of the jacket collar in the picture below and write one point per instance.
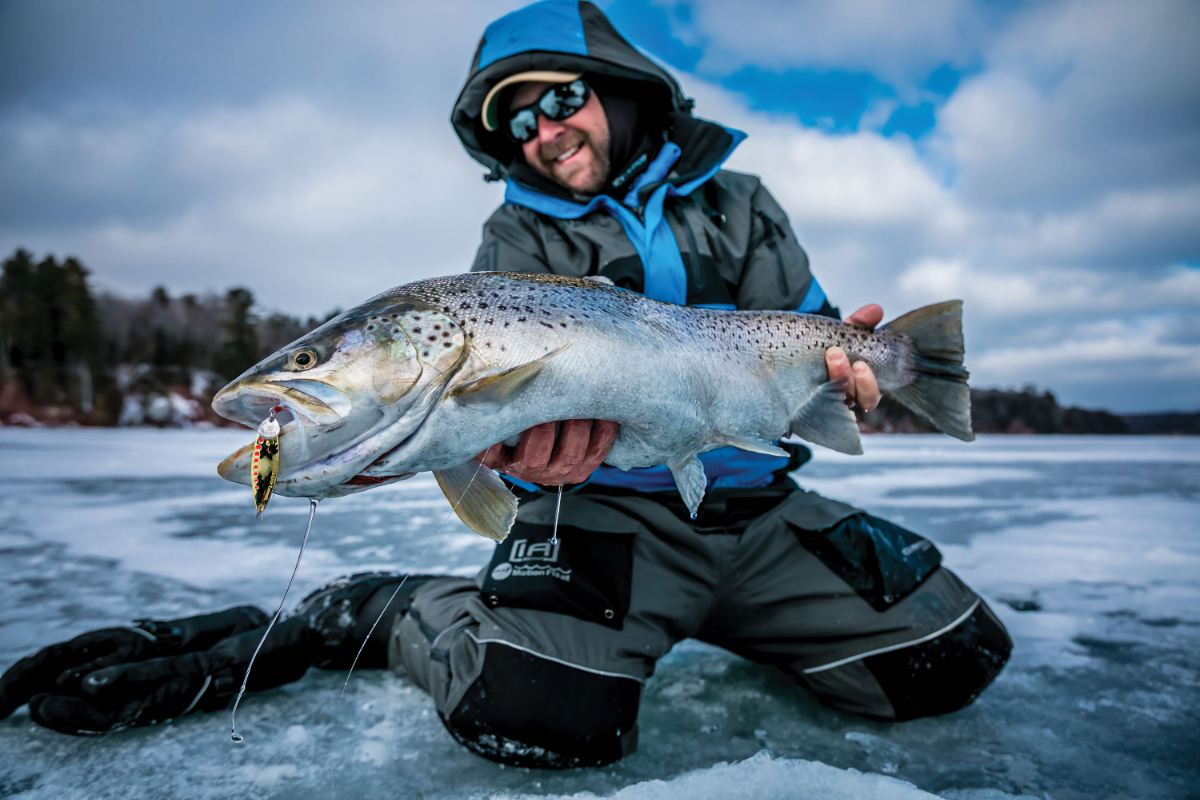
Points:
(696, 149)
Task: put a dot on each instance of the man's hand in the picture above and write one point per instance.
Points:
(861, 388)
(581, 447)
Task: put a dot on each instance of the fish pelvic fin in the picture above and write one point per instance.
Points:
(750, 443)
(480, 498)
(939, 390)
(689, 477)
(824, 419)
(499, 387)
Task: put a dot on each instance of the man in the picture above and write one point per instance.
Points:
(540, 660)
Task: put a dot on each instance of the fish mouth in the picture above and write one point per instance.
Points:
(373, 480)
(316, 401)
(332, 474)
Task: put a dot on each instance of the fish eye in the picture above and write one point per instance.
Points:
(305, 358)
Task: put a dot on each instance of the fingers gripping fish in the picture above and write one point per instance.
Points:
(423, 377)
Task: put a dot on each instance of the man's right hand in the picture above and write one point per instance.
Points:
(542, 457)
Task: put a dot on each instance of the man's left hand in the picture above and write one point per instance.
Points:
(861, 388)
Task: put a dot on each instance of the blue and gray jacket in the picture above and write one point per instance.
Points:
(678, 228)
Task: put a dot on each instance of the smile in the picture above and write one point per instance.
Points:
(568, 154)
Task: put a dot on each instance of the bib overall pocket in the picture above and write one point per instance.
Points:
(882, 562)
(587, 573)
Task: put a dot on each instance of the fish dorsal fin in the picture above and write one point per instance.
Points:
(689, 477)
(824, 419)
(499, 387)
(750, 443)
(480, 498)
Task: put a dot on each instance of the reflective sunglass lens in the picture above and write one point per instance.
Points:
(523, 125)
(557, 104)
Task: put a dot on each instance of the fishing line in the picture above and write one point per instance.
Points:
(557, 508)
(411, 570)
(237, 737)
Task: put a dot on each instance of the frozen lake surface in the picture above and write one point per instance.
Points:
(1088, 548)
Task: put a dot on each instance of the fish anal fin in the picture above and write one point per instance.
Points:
(689, 477)
(754, 445)
(480, 498)
(825, 420)
(498, 387)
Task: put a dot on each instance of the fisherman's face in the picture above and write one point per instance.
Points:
(573, 152)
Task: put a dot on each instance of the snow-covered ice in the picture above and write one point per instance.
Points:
(1087, 547)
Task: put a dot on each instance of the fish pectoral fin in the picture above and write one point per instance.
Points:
(750, 443)
(480, 498)
(689, 477)
(825, 420)
(499, 387)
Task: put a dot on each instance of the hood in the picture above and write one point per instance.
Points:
(561, 35)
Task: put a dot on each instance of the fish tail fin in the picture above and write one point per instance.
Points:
(938, 390)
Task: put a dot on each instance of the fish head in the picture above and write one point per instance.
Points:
(355, 387)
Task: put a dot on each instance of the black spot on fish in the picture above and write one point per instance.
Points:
(416, 330)
(546, 324)
(520, 319)
(425, 354)
(562, 324)
(445, 344)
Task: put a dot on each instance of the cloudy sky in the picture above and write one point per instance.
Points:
(1039, 160)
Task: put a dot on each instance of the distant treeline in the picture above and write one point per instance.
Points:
(68, 354)
(1027, 411)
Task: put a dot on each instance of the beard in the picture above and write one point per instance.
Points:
(590, 172)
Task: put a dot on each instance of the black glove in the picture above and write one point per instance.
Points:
(60, 668)
(160, 689)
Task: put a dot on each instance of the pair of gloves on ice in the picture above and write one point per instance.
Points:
(156, 671)
(115, 678)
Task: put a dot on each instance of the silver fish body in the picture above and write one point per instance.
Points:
(426, 376)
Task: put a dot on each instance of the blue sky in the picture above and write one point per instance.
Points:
(1041, 161)
(824, 96)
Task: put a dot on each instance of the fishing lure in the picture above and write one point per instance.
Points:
(264, 468)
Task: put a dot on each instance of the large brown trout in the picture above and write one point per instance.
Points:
(426, 376)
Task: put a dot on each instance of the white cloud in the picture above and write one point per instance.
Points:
(309, 207)
(1066, 227)
(1080, 98)
(898, 42)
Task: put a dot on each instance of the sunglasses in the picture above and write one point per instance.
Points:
(558, 103)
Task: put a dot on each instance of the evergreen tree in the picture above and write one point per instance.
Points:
(49, 330)
(240, 350)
